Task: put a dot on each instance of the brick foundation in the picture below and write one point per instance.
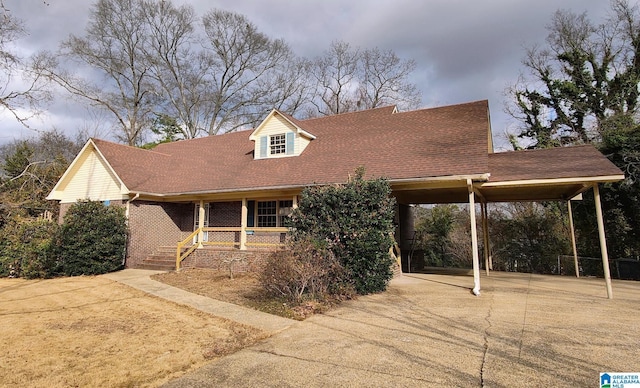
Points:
(245, 261)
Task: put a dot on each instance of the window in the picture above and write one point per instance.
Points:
(284, 209)
(271, 214)
(278, 144)
(267, 214)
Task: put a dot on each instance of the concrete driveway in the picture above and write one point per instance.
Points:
(428, 330)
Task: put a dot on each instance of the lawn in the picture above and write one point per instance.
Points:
(243, 289)
(91, 331)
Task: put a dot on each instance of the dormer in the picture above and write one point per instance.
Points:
(278, 136)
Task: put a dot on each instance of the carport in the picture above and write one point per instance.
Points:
(557, 174)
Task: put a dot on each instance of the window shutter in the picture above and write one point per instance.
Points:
(290, 143)
(251, 208)
(263, 146)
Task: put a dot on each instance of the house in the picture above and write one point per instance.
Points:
(231, 192)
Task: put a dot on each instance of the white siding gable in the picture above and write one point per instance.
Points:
(89, 177)
(296, 140)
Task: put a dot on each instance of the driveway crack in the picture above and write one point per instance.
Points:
(524, 318)
(487, 319)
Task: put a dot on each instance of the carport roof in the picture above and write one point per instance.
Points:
(531, 175)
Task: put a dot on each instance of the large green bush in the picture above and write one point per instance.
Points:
(355, 220)
(92, 239)
(26, 249)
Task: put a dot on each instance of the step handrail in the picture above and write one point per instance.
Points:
(181, 256)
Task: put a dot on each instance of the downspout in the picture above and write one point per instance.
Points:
(126, 214)
(126, 211)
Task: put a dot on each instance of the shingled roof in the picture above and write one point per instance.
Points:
(428, 155)
(437, 142)
(552, 163)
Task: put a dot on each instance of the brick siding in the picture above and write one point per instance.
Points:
(219, 259)
(156, 224)
(225, 214)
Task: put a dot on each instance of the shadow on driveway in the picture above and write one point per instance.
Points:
(428, 330)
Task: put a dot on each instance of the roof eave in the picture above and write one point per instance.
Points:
(555, 181)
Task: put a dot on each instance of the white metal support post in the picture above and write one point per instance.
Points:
(485, 236)
(474, 239)
(603, 241)
(573, 240)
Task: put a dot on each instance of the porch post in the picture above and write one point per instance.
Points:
(201, 223)
(573, 240)
(485, 235)
(243, 226)
(474, 240)
(603, 241)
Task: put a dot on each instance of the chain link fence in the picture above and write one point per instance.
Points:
(626, 269)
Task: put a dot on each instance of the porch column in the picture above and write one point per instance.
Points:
(201, 223)
(295, 201)
(243, 226)
(573, 240)
(474, 239)
(485, 235)
(603, 241)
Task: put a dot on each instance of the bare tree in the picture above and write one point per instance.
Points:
(349, 79)
(336, 74)
(177, 67)
(290, 86)
(22, 90)
(385, 80)
(244, 61)
(117, 73)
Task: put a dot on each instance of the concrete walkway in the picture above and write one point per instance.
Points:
(428, 330)
(140, 279)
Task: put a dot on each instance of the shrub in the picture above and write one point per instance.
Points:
(356, 222)
(92, 239)
(27, 248)
(306, 269)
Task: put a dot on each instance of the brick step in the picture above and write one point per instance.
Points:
(167, 249)
(162, 256)
(160, 264)
(154, 267)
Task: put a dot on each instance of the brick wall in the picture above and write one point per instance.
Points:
(156, 224)
(225, 214)
(243, 261)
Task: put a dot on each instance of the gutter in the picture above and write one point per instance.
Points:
(476, 178)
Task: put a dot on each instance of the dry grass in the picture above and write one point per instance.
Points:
(91, 331)
(244, 289)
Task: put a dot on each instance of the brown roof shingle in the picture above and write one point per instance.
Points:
(552, 163)
(435, 142)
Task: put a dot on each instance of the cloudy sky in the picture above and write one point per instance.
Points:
(465, 50)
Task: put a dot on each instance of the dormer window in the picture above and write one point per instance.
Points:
(278, 144)
(279, 136)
